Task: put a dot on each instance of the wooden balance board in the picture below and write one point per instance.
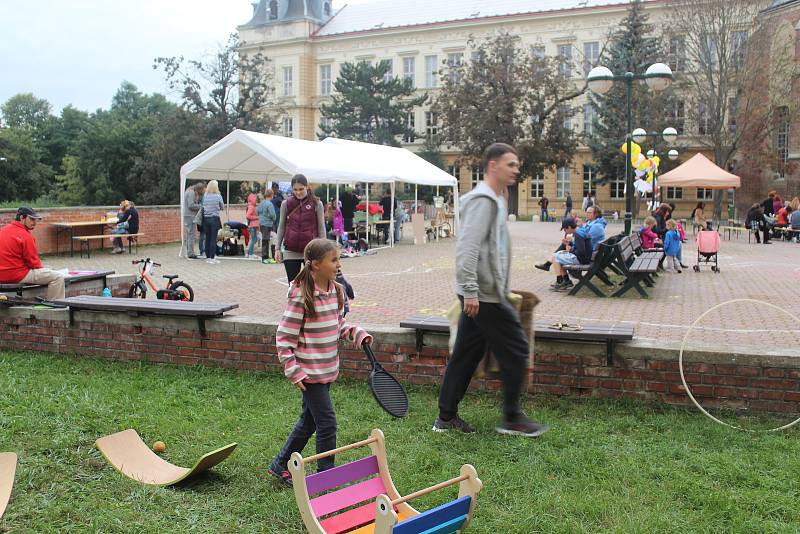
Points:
(8, 468)
(133, 458)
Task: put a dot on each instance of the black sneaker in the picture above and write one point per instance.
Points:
(284, 477)
(522, 425)
(564, 286)
(543, 266)
(456, 423)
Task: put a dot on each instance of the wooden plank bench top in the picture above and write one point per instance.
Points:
(104, 236)
(644, 265)
(99, 275)
(543, 329)
(147, 306)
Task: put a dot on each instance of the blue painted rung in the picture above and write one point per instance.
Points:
(435, 517)
(447, 528)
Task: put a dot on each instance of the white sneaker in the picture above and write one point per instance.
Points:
(211, 261)
(215, 260)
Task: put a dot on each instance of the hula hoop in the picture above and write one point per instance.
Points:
(689, 391)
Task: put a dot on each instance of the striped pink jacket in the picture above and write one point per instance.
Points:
(308, 346)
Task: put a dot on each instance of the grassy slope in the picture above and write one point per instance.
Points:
(605, 466)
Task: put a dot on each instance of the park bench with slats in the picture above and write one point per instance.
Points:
(608, 333)
(136, 307)
(637, 270)
(585, 273)
(19, 288)
(86, 240)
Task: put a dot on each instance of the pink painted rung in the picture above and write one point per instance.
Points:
(347, 497)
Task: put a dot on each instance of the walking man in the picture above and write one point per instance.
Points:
(191, 205)
(568, 206)
(483, 260)
(544, 202)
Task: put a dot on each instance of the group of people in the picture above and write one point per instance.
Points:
(773, 216)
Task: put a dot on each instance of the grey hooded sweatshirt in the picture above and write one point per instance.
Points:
(480, 271)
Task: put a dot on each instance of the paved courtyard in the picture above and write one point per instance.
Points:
(396, 283)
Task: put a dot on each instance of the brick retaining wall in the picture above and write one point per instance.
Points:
(160, 224)
(754, 382)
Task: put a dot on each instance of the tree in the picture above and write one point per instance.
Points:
(737, 79)
(25, 111)
(509, 95)
(369, 105)
(22, 175)
(233, 90)
(632, 48)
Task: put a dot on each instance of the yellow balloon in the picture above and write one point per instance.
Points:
(657, 161)
(635, 149)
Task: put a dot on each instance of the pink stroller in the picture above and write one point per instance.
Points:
(708, 242)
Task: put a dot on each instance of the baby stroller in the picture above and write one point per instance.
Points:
(708, 242)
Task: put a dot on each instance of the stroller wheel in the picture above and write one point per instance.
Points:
(716, 270)
(697, 268)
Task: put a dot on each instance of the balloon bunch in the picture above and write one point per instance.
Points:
(643, 167)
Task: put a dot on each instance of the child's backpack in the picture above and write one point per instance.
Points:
(582, 248)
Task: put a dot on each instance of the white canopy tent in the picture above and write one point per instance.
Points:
(250, 156)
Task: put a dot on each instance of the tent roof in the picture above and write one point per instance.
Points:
(245, 156)
(699, 171)
(404, 164)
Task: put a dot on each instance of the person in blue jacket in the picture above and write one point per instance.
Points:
(577, 253)
(672, 248)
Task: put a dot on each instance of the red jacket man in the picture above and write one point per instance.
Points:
(19, 259)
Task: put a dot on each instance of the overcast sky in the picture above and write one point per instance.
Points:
(79, 51)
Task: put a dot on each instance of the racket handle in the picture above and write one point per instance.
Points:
(368, 351)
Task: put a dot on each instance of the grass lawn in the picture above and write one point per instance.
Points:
(604, 467)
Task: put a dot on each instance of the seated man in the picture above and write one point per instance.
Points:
(585, 241)
(19, 259)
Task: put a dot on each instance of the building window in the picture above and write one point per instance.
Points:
(678, 116)
(617, 187)
(326, 124)
(674, 193)
(288, 127)
(389, 73)
(273, 9)
(589, 175)
(431, 71)
(739, 40)
(562, 182)
(327, 9)
(408, 70)
(703, 120)
(410, 124)
(431, 124)
(538, 51)
(565, 60)
(566, 117)
(288, 85)
(325, 80)
(477, 175)
(677, 53)
(455, 171)
(454, 62)
(782, 138)
(709, 53)
(705, 193)
(537, 186)
(591, 55)
(733, 112)
(589, 116)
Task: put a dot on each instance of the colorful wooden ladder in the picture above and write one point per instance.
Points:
(360, 498)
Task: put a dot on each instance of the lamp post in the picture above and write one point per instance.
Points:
(600, 79)
(669, 135)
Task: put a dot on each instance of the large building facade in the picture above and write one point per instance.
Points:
(308, 41)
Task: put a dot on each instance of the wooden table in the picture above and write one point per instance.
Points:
(70, 227)
(730, 230)
(69, 279)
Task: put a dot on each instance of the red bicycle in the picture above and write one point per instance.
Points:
(173, 290)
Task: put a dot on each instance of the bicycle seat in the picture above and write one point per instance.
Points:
(170, 276)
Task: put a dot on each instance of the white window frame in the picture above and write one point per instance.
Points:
(563, 178)
(454, 61)
(431, 71)
(705, 193)
(589, 173)
(288, 81)
(409, 70)
(591, 55)
(677, 53)
(616, 187)
(589, 115)
(674, 193)
(565, 56)
(411, 122)
(538, 51)
(287, 128)
(476, 175)
(782, 133)
(537, 186)
(325, 79)
(389, 73)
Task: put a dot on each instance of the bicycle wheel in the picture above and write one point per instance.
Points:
(137, 290)
(185, 289)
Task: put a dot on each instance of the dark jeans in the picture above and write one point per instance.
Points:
(545, 216)
(348, 225)
(497, 327)
(265, 235)
(292, 268)
(317, 416)
(201, 242)
(211, 226)
(385, 231)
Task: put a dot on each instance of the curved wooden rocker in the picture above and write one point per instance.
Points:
(360, 498)
(8, 468)
(133, 458)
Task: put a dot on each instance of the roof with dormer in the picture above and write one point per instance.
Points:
(385, 14)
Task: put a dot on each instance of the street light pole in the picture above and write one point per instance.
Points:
(629, 150)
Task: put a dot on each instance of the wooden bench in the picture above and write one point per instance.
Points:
(608, 333)
(596, 269)
(648, 253)
(136, 307)
(731, 230)
(85, 241)
(19, 288)
(637, 270)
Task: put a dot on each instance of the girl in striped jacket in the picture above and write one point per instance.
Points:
(307, 341)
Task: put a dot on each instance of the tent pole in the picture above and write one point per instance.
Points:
(183, 237)
(456, 219)
(366, 209)
(391, 220)
(416, 200)
(228, 197)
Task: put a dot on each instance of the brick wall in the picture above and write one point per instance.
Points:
(754, 382)
(160, 224)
